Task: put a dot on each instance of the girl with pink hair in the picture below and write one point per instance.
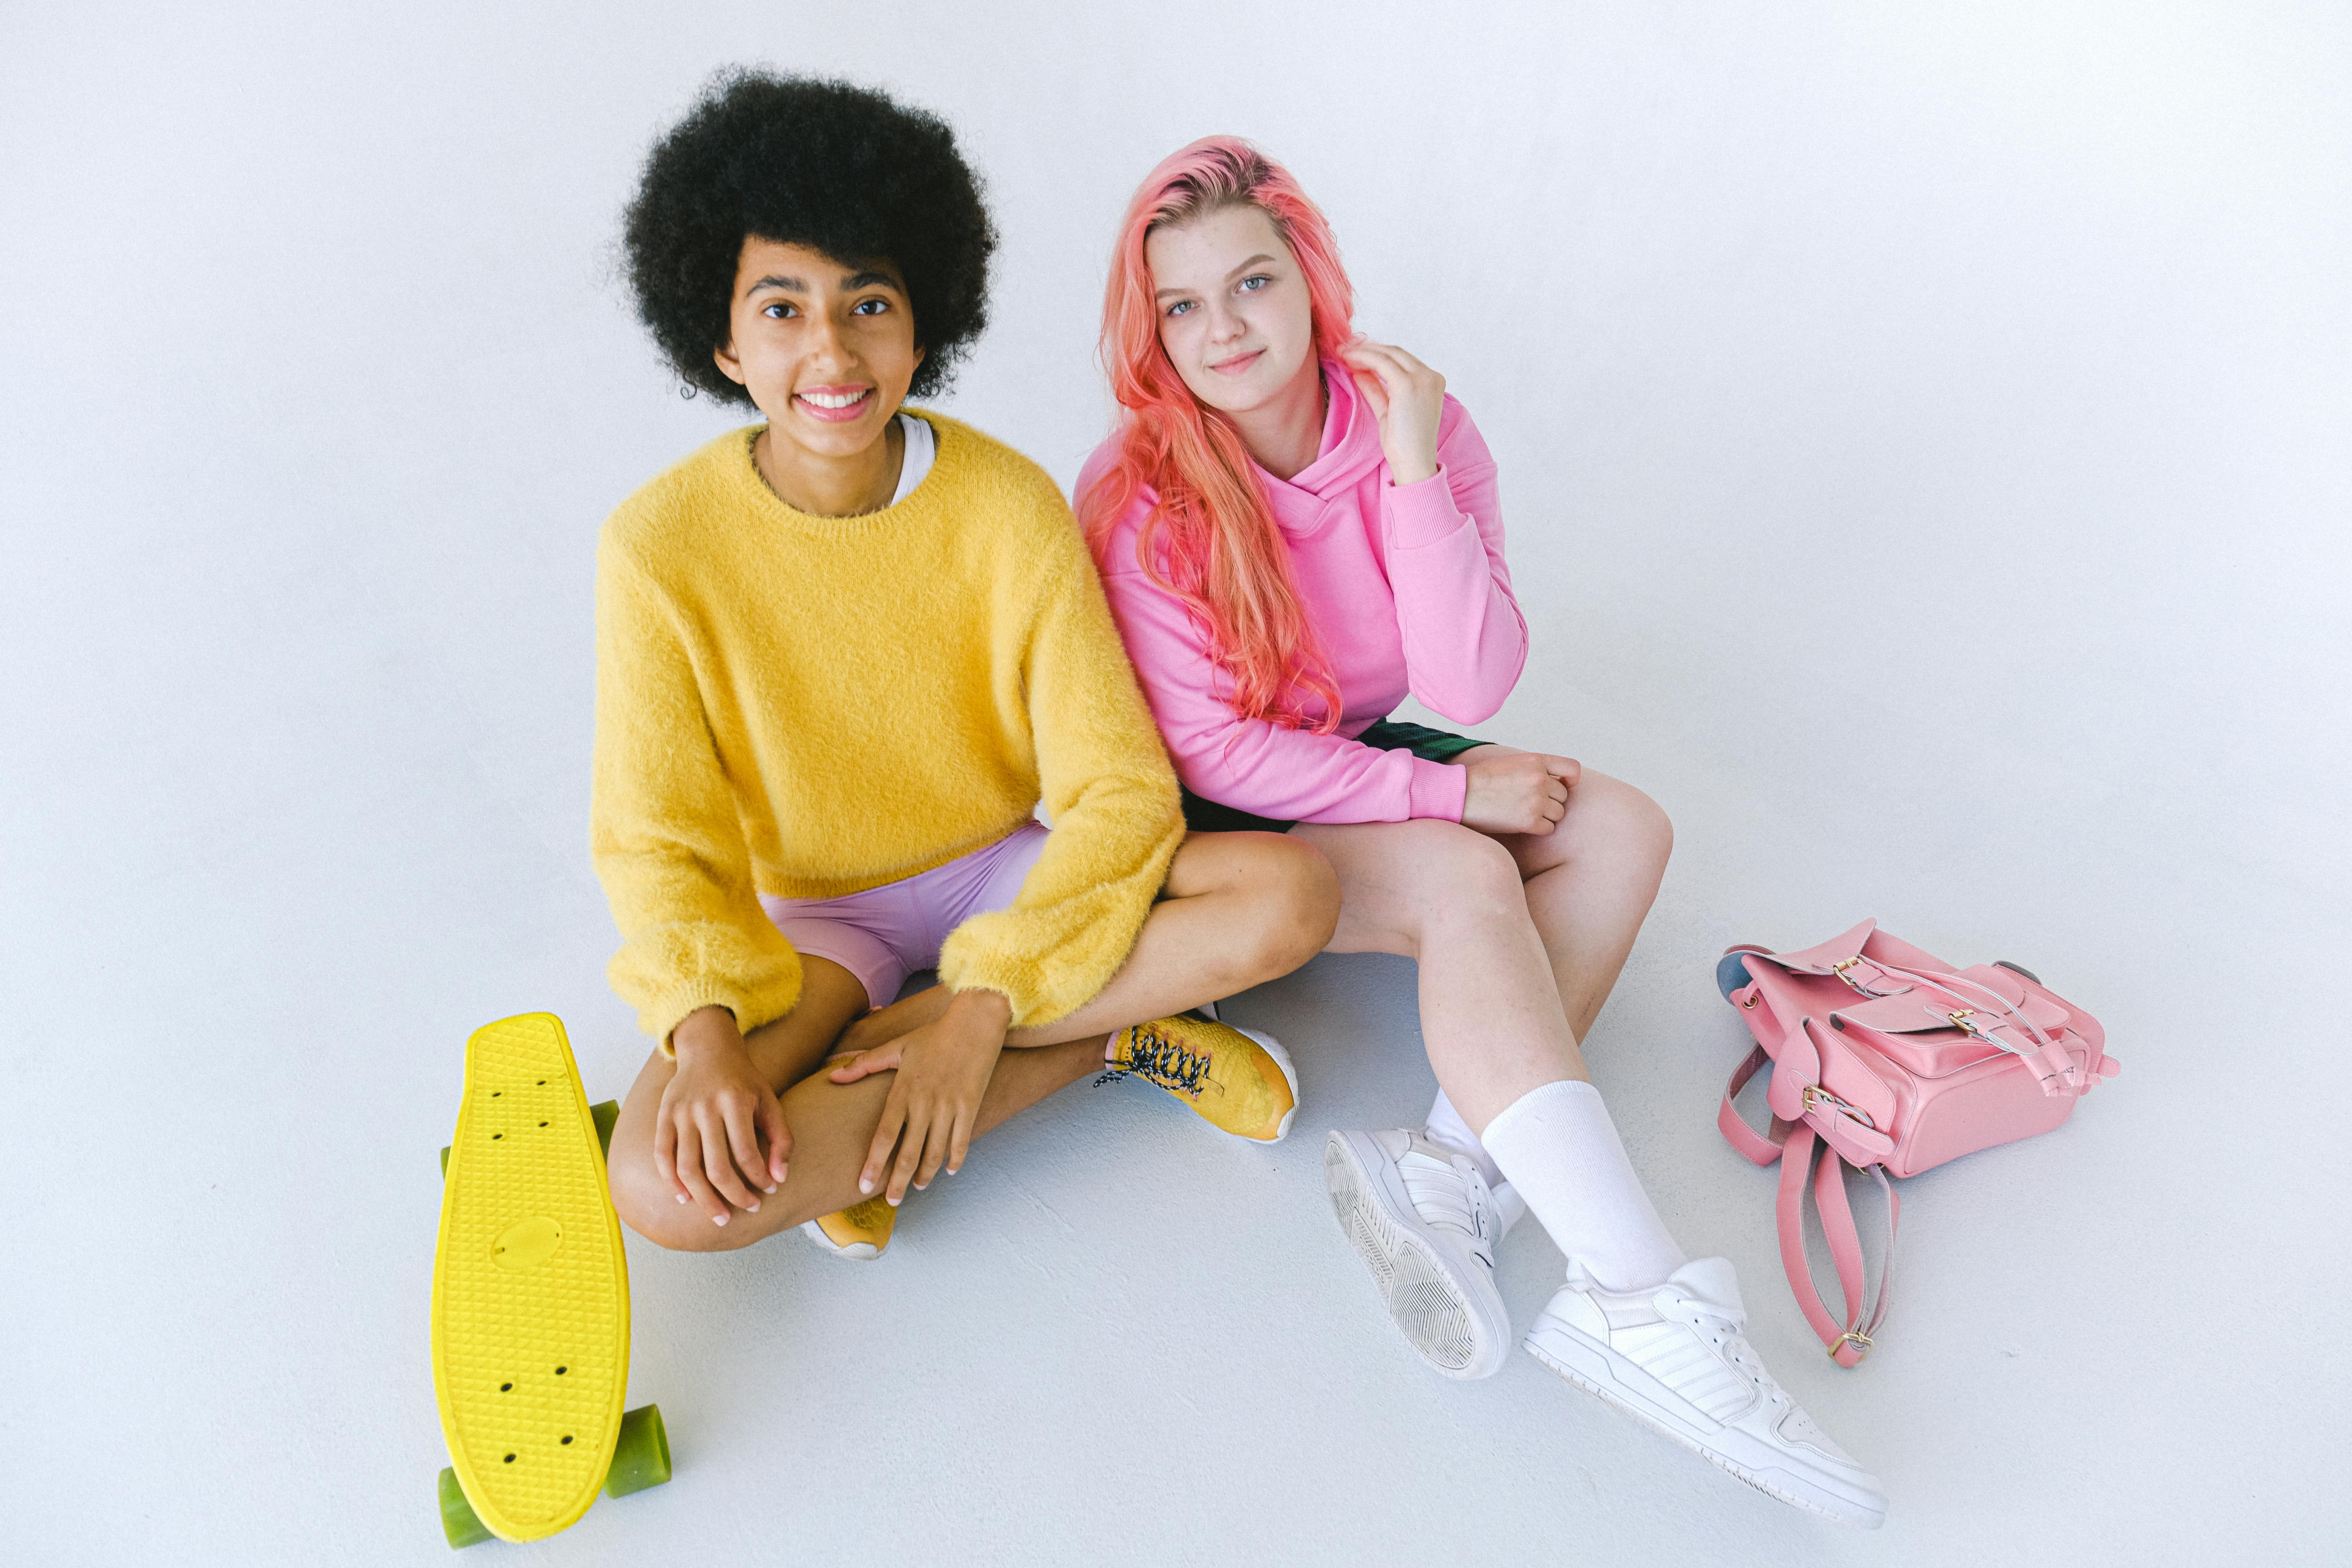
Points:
(1297, 527)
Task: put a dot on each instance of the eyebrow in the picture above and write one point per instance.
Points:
(855, 280)
(1237, 272)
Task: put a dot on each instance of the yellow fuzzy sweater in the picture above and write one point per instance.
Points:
(808, 706)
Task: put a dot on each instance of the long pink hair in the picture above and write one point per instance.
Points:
(1212, 538)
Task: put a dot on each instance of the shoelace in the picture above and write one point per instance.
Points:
(1155, 1058)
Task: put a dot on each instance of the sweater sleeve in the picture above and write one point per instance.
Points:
(664, 829)
(1250, 763)
(1465, 639)
(1111, 796)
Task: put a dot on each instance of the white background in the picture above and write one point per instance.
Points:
(1924, 440)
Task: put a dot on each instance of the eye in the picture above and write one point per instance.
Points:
(869, 307)
(1253, 282)
(1180, 307)
(777, 310)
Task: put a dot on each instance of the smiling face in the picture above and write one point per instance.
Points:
(825, 348)
(1234, 315)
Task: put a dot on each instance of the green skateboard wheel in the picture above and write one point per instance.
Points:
(641, 1455)
(457, 1520)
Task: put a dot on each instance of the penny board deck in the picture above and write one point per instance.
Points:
(531, 1288)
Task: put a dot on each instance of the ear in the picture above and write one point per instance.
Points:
(728, 365)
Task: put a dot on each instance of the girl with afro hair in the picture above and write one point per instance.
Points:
(843, 656)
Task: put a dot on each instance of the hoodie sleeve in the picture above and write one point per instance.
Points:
(1465, 639)
(1250, 763)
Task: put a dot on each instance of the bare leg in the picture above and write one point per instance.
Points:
(831, 1124)
(1504, 931)
(1450, 898)
(1239, 909)
(1590, 885)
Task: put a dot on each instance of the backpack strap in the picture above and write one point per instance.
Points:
(1850, 1341)
(1735, 1127)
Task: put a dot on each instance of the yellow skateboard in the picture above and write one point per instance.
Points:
(531, 1299)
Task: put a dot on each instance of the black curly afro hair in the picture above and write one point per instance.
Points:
(801, 161)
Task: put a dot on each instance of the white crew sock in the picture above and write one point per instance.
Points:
(1558, 1148)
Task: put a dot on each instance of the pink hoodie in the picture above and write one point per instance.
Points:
(1406, 589)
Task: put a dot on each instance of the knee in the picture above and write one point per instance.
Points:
(1631, 822)
(647, 1206)
(1296, 895)
(1464, 870)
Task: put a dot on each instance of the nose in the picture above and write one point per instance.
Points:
(824, 347)
(1225, 324)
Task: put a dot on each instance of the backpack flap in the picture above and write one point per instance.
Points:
(1862, 1133)
(1852, 1106)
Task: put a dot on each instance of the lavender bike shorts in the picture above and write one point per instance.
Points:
(883, 934)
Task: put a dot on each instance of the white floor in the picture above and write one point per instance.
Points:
(1925, 458)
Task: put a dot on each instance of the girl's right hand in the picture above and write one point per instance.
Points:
(713, 1118)
(1516, 792)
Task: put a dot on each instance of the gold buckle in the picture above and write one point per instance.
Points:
(1855, 1338)
(1815, 1096)
(1838, 969)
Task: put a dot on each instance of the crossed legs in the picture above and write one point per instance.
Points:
(1238, 910)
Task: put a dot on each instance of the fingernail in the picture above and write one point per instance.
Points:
(894, 1202)
(679, 1196)
(751, 1207)
(771, 1186)
(718, 1219)
(864, 1185)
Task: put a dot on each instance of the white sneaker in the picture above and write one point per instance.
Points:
(1424, 1223)
(1674, 1357)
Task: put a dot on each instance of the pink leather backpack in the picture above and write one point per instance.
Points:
(1888, 1059)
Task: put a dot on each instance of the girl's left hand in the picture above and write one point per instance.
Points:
(1407, 397)
(933, 1109)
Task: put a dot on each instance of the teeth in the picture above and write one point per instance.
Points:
(829, 400)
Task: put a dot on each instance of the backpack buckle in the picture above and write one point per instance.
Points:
(1855, 1338)
(1840, 969)
(1815, 1097)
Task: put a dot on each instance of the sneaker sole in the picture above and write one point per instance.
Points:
(1457, 1329)
(1562, 1349)
(857, 1251)
(1267, 1044)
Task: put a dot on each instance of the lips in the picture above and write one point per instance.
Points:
(834, 404)
(1239, 364)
